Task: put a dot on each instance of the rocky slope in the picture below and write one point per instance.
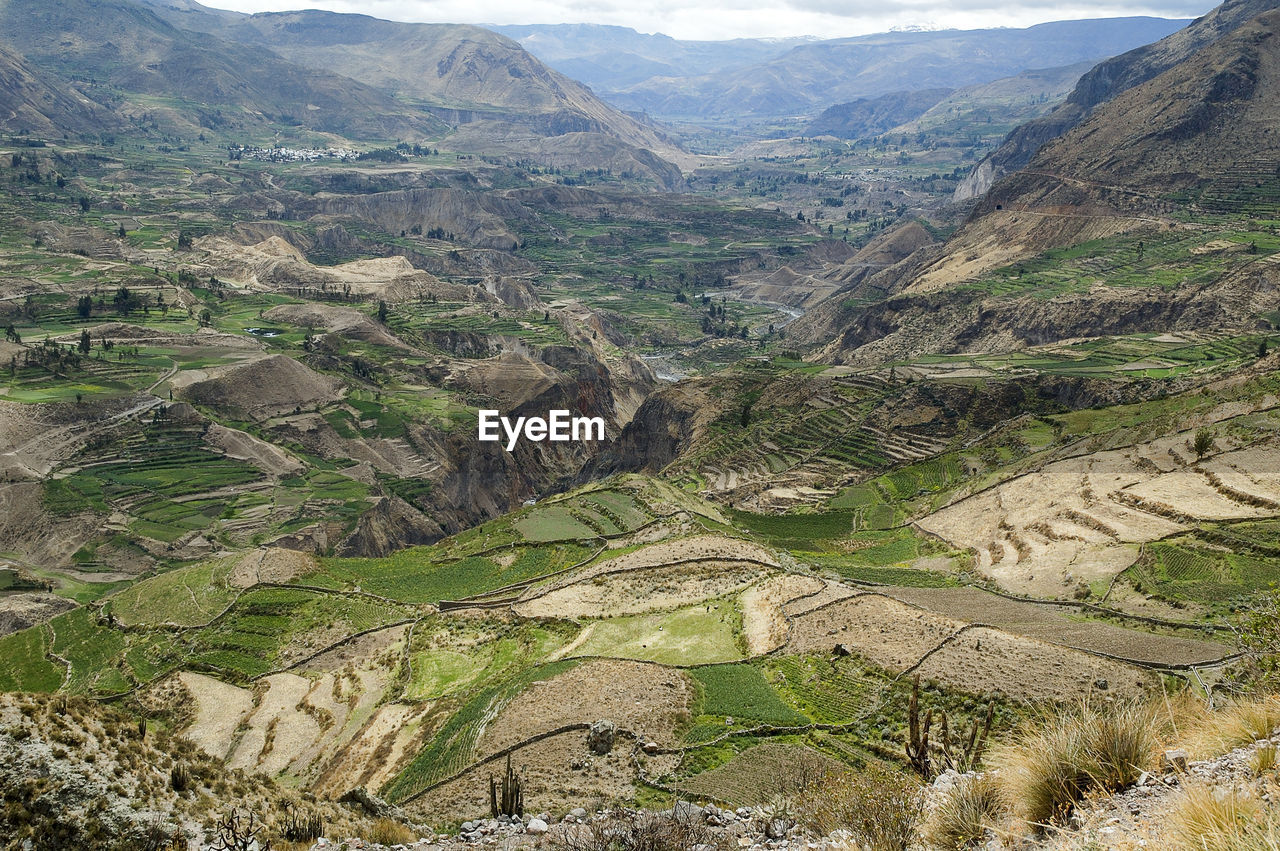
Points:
(1104, 82)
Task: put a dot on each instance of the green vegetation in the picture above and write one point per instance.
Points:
(419, 575)
(448, 657)
(269, 628)
(188, 596)
(740, 691)
(27, 667)
(453, 747)
(689, 636)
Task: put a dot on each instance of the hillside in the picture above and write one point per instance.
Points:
(873, 116)
(1107, 80)
(811, 77)
(1128, 223)
(149, 72)
(30, 104)
(462, 74)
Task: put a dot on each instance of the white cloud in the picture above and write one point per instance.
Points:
(723, 19)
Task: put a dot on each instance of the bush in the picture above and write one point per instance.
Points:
(882, 808)
(962, 818)
(388, 832)
(1049, 767)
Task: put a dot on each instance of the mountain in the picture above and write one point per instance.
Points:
(29, 103)
(814, 76)
(1104, 82)
(873, 116)
(1007, 102)
(1122, 225)
(465, 75)
(205, 82)
(611, 57)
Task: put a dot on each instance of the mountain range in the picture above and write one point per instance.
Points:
(810, 77)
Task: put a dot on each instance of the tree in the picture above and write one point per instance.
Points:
(1262, 347)
(85, 204)
(1258, 634)
(206, 318)
(11, 334)
(382, 312)
(184, 240)
(125, 301)
(84, 306)
(1202, 444)
(85, 342)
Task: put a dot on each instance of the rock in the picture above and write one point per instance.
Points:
(579, 813)
(1175, 760)
(776, 828)
(536, 826)
(946, 780)
(1101, 684)
(372, 804)
(600, 737)
(842, 650)
(684, 811)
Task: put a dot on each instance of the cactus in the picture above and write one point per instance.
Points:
(961, 753)
(917, 744)
(301, 826)
(971, 744)
(511, 800)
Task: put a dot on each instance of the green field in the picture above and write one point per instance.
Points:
(690, 636)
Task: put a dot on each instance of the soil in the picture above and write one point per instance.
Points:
(643, 590)
(644, 698)
(763, 623)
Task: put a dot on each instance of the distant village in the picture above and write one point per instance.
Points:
(291, 155)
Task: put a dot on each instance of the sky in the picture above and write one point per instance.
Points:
(724, 19)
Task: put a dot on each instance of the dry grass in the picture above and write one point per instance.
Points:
(672, 830)
(880, 807)
(1263, 760)
(1208, 818)
(962, 818)
(1240, 722)
(1049, 766)
(388, 832)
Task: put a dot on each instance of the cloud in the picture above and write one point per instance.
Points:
(724, 19)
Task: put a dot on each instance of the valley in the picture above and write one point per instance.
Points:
(879, 442)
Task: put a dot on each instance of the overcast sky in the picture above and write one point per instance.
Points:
(721, 19)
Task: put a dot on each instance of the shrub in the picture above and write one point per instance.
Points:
(880, 807)
(962, 818)
(388, 832)
(1049, 766)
